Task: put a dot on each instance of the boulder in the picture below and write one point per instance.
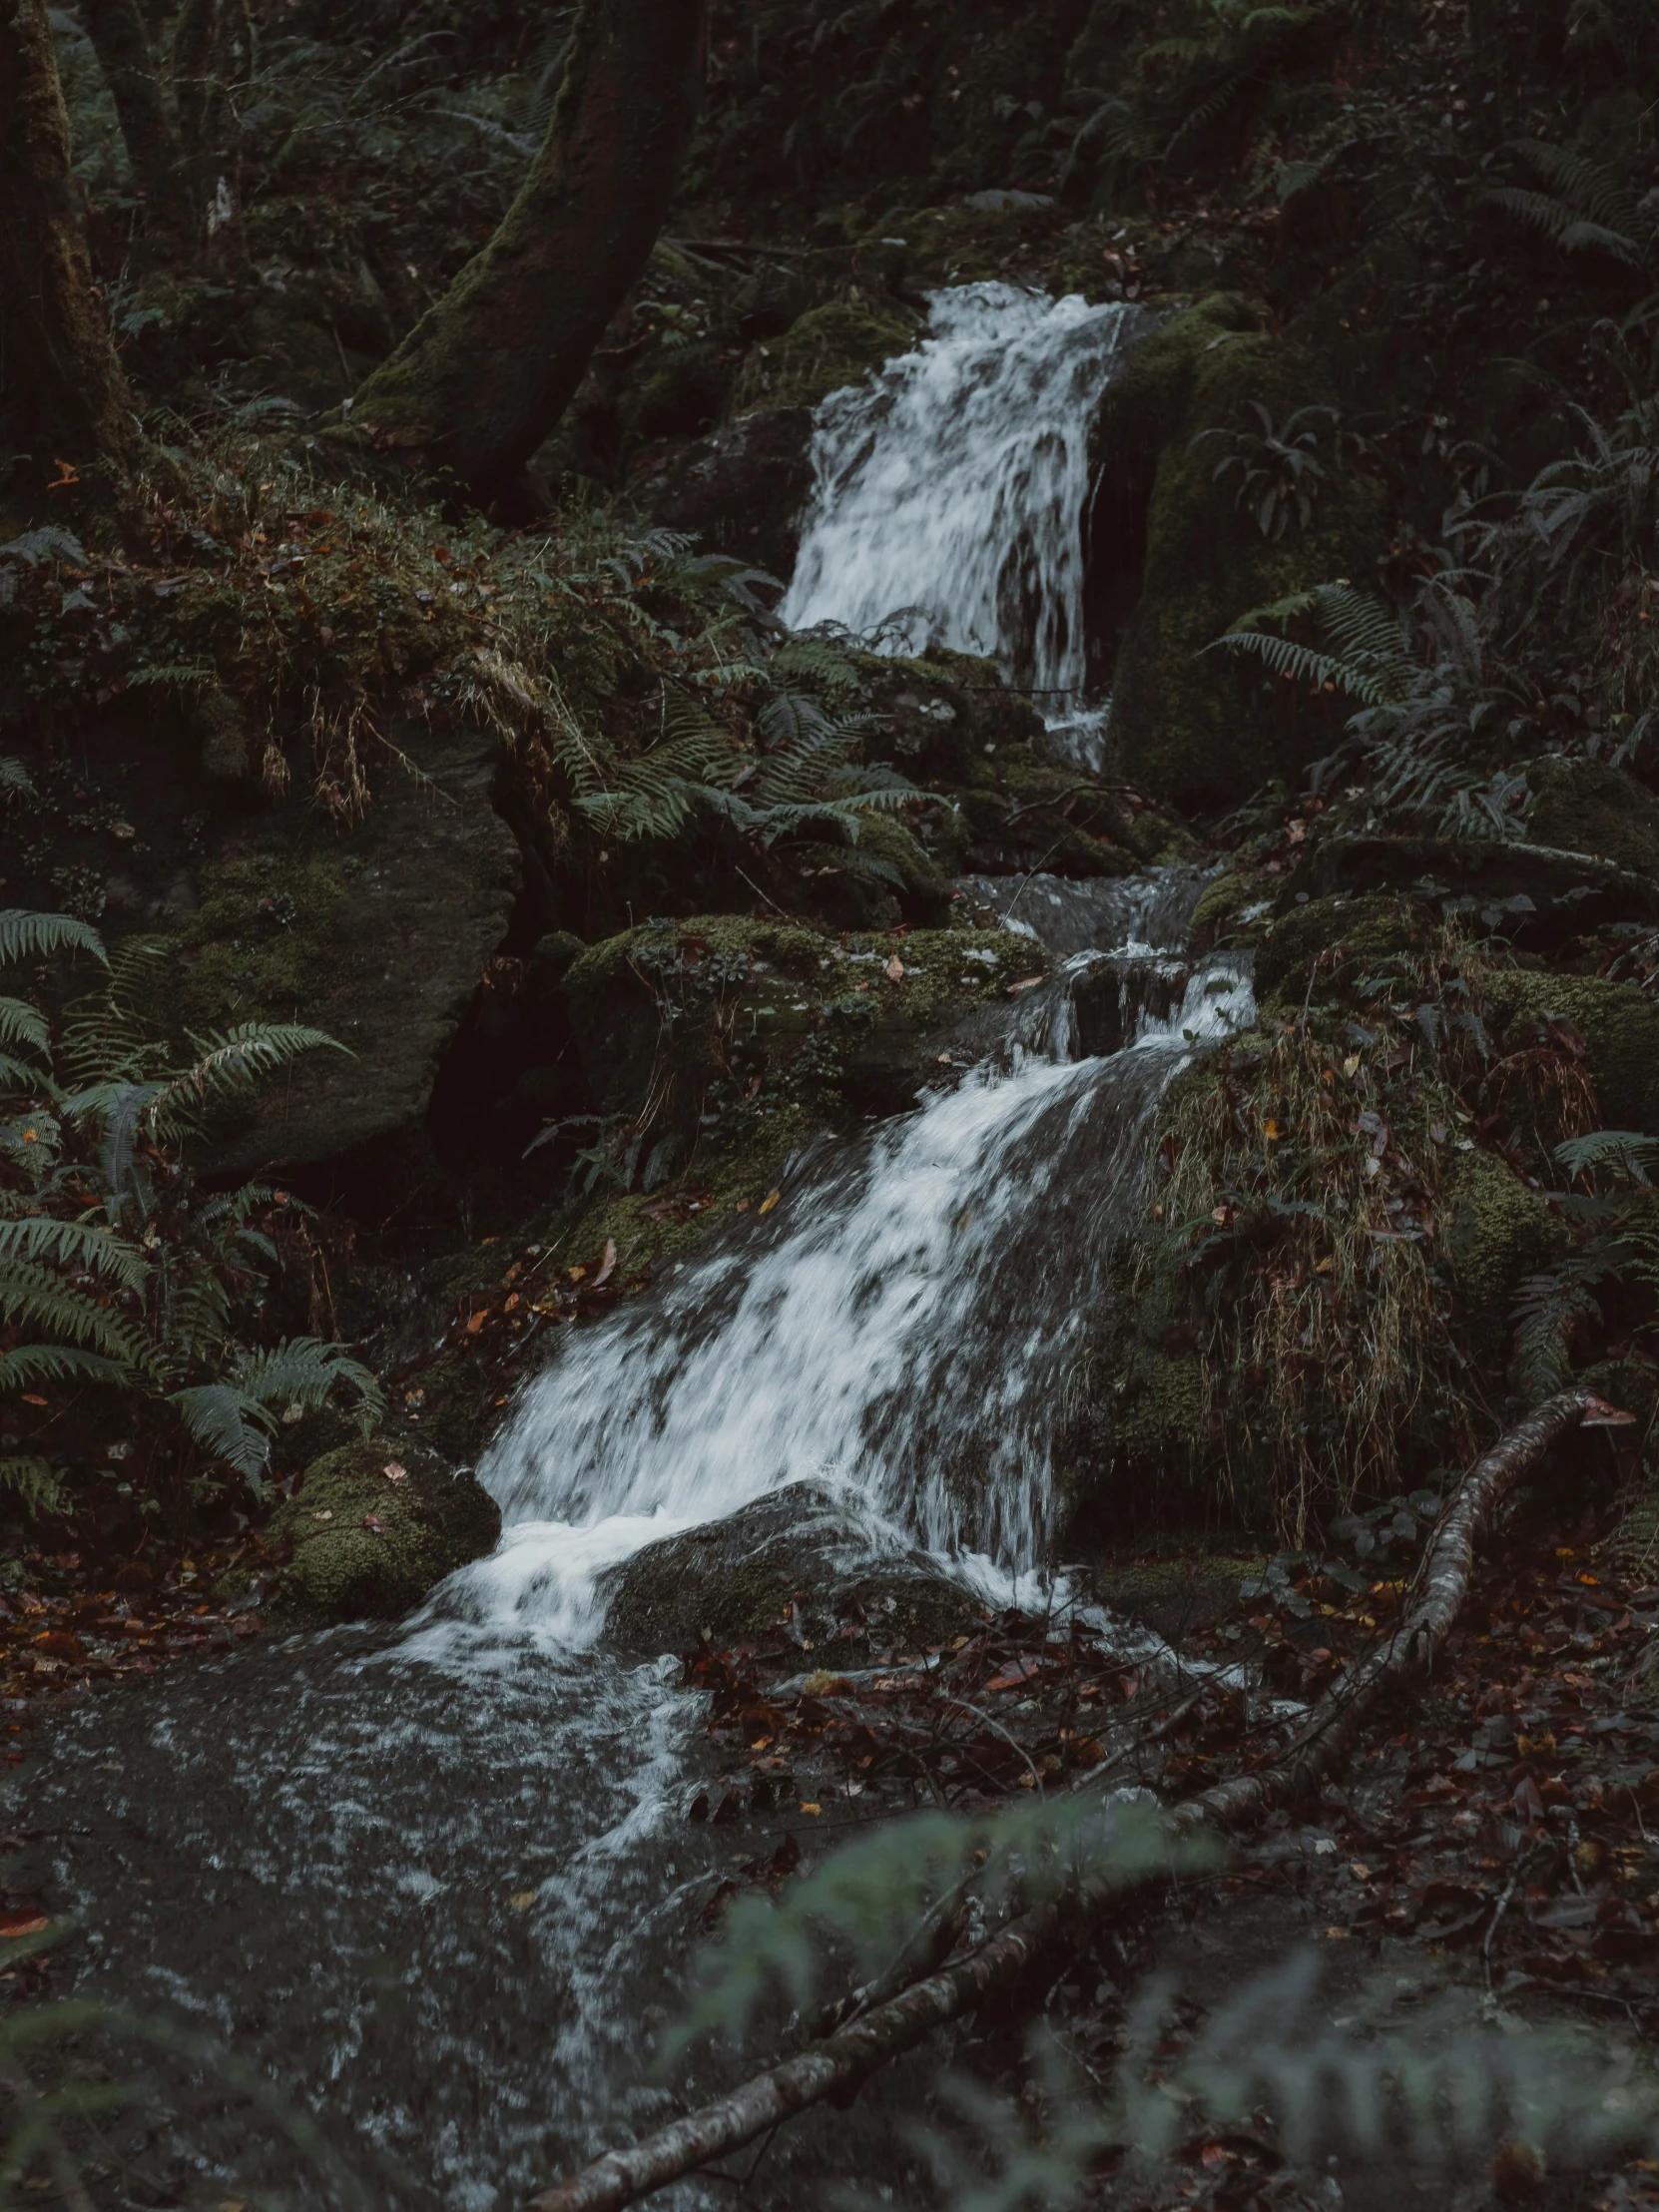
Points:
(377, 932)
(798, 1560)
(741, 491)
(1538, 896)
(365, 1545)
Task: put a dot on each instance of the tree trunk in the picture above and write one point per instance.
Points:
(117, 32)
(212, 54)
(62, 398)
(483, 378)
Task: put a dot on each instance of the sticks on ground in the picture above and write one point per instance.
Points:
(836, 2066)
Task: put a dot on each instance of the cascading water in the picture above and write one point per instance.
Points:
(431, 1881)
(950, 491)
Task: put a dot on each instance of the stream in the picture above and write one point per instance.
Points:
(436, 1881)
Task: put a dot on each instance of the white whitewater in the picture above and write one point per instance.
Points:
(950, 487)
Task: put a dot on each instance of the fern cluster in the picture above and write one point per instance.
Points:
(115, 1270)
(1612, 1214)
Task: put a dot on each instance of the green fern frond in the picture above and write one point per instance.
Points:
(23, 1024)
(229, 1427)
(74, 1244)
(35, 1484)
(1626, 1152)
(33, 1297)
(229, 1062)
(30, 1363)
(303, 1371)
(14, 776)
(27, 936)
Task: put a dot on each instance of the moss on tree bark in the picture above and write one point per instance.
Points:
(483, 378)
(62, 396)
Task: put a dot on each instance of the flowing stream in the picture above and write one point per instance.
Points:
(437, 1882)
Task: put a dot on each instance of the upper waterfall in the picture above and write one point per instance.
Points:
(950, 487)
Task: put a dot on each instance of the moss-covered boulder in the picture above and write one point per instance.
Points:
(1538, 896)
(1204, 729)
(722, 1016)
(376, 932)
(1591, 806)
(1313, 945)
(741, 491)
(791, 1560)
(827, 348)
(368, 1543)
(1618, 1025)
(1494, 1230)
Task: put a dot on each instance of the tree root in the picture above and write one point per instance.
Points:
(836, 2066)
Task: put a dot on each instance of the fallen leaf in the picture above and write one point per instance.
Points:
(29, 1399)
(14, 1925)
(324, 1515)
(896, 969)
(807, 1807)
(396, 1472)
(607, 1267)
(523, 1899)
(477, 1320)
(770, 1201)
(374, 1523)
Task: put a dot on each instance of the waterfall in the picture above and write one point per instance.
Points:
(949, 489)
(904, 1322)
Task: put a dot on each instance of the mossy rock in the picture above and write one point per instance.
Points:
(343, 1568)
(828, 348)
(1173, 1597)
(789, 1559)
(1495, 1229)
(709, 1004)
(1620, 1026)
(1196, 727)
(1591, 806)
(1339, 938)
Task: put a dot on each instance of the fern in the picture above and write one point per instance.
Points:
(235, 1417)
(34, 1483)
(1372, 662)
(26, 936)
(1581, 206)
(14, 777)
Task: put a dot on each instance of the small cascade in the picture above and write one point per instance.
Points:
(949, 489)
(904, 1324)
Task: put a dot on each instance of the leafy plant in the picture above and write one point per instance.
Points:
(1612, 1214)
(113, 1268)
(1279, 470)
(1578, 203)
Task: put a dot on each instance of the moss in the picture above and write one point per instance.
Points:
(1589, 807)
(1215, 916)
(1202, 729)
(1349, 937)
(1160, 1418)
(1620, 1026)
(1495, 1229)
(263, 941)
(341, 1568)
(827, 347)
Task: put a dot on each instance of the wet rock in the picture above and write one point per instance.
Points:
(369, 1544)
(798, 1560)
(1591, 806)
(826, 349)
(377, 934)
(741, 491)
(1616, 1023)
(1538, 896)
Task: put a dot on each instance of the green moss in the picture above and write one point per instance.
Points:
(1589, 807)
(1160, 1416)
(1196, 728)
(263, 941)
(1495, 1229)
(432, 1522)
(827, 347)
(1350, 936)
(1620, 1028)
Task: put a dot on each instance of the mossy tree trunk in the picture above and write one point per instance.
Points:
(61, 399)
(122, 45)
(483, 378)
(212, 54)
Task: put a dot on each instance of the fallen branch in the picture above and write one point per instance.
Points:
(836, 2066)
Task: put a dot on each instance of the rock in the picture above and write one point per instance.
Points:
(1590, 806)
(1496, 1230)
(1332, 935)
(826, 349)
(741, 491)
(797, 1558)
(1618, 1025)
(1537, 896)
(1198, 729)
(368, 1547)
(378, 933)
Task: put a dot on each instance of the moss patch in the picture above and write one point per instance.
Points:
(1620, 1028)
(1198, 727)
(1496, 1230)
(343, 1568)
(1589, 807)
(1332, 934)
(827, 348)
(263, 942)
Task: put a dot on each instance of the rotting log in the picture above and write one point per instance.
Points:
(836, 2066)
(486, 373)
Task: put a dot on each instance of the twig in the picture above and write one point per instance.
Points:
(836, 2066)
